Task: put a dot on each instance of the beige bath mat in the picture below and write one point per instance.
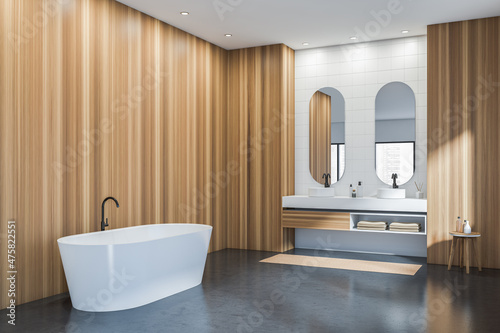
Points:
(347, 264)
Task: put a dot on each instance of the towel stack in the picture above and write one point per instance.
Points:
(406, 227)
(372, 225)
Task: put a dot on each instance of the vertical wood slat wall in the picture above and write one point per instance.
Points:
(98, 99)
(463, 135)
(320, 109)
(261, 125)
(287, 165)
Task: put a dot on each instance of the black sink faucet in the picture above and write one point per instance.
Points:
(103, 224)
(326, 176)
(394, 177)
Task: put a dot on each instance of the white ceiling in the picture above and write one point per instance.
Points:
(319, 22)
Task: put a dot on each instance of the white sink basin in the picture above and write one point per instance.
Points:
(321, 192)
(391, 193)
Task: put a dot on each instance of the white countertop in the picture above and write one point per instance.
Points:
(356, 204)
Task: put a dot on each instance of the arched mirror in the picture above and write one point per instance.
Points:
(327, 135)
(395, 133)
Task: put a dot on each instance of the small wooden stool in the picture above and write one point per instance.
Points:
(463, 242)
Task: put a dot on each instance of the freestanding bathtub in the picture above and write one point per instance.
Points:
(126, 268)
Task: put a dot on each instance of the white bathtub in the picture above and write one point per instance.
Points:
(126, 268)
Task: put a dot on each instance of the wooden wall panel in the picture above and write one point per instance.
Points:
(98, 99)
(8, 145)
(288, 137)
(463, 137)
(238, 133)
(320, 109)
(261, 142)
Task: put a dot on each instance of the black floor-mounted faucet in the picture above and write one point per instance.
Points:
(104, 225)
(394, 177)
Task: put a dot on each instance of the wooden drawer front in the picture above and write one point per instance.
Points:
(315, 220)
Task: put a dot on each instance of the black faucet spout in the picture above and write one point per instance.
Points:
(105, 224)
(394, 177)
(327, 176)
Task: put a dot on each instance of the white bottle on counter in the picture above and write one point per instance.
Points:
(359, 190)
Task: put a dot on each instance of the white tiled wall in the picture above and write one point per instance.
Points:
(358, 71)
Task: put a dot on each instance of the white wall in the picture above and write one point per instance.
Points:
(358, 71)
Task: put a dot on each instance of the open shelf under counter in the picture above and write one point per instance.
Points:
(389, 218)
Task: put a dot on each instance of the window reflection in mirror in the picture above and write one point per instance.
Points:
(395, 132)
(338, 161)
(327, 134)
(395, 157)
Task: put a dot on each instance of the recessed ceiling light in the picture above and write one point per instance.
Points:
(405, 31)
(228, 35)
(185, 13)
(353, 38)
(305, 43)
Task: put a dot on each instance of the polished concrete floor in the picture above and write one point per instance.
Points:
(239, 294)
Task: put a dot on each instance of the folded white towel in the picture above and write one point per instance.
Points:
(409, 227)
(401, 229)
(371, 228)
(372, 223)
(404, 228)
(399, 224)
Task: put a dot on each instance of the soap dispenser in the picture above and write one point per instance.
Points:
(359, 190)
(467, 228)
(353, 191)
